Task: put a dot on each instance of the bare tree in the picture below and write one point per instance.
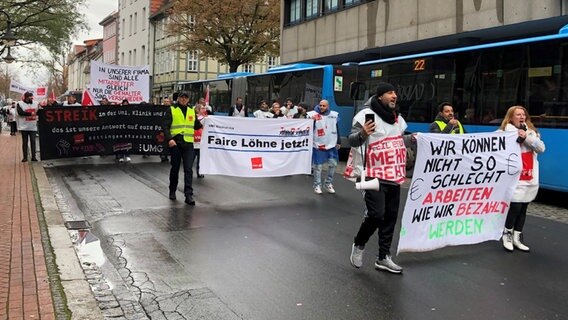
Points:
(233, 32)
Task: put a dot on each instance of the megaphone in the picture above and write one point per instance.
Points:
(372, 184)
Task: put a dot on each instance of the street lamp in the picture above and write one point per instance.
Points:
(8, 39)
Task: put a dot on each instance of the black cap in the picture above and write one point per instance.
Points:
(183, 94)
(28, 94)
(384, 87)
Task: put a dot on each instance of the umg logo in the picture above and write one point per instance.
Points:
(147, 148)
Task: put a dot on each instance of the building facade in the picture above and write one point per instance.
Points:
(110, 38)
(337, 31)
(79, 62)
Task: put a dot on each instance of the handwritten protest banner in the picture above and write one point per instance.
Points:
(250, 147)
(460, 191)
(66, 132)
(117, 83)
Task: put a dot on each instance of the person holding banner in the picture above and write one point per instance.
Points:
(377, 137)
(262, 112)
(326, 143)
(202, 113)
(238, 109)
(518, 119)
(180, 123)
(445, 121)
(27, 124)
(71, 101)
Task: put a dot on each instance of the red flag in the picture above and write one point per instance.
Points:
(207, 96)
(88, 99)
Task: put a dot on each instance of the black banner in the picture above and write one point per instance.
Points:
(66, 132)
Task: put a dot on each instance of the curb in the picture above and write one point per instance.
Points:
(80, 299)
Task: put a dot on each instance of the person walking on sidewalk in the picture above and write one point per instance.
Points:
(27, 124)
(12, 114)
(180, 123)
(517, 119)
(326, 144)
(377, 133)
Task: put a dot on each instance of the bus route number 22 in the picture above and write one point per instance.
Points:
(419, 65)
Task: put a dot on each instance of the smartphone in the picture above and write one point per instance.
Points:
(369, 117)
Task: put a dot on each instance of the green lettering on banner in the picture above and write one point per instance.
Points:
(461, 227)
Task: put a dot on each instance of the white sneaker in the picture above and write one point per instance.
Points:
(388, 265)
(329, 188)
(317, 190)
(128, 159)
(356, 257)
(120, 160)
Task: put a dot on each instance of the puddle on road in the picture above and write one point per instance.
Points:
(88, 246)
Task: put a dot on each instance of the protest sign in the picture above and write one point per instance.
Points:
(78, 131)
(19, 88)
(460, 191)
(117, 83)
(250, 147)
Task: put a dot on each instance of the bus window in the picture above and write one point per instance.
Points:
(343, 77)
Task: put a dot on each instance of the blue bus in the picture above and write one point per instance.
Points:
(307, 83)
(482, 82)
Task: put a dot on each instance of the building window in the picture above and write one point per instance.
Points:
(271, 61)
(247, 67)
(312, 8)
(143, 18)
(130, 25)
(123, 27)
(143, 55)
(331, 5)
(134, 57)
(191, 22)
(295, 10)
(135, 22)
(192, 61)
(130, 57)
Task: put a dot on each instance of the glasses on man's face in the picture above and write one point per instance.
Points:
(323, 105)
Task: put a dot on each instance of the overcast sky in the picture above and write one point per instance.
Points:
(95, 12)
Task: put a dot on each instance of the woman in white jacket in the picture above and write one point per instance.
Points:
(518, 119)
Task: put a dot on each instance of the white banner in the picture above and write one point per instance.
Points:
(19, 88)
(117, 83)
(461, 189)
(250, 147)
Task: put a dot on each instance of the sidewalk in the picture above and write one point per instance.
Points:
(40, 274)
(25, 291)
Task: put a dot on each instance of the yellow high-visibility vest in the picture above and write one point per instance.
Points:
(182, 125)
(443, 125)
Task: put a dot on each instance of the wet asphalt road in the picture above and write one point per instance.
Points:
(271, 249)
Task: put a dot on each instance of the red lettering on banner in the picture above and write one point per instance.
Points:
(71, 115)
(528, 165)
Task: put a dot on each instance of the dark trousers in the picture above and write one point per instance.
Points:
(381, 213)
(13, 128)
(516, 216)
(182, 152)
(31, 136)
(196, 156)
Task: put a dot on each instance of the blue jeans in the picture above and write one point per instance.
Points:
(317, 168)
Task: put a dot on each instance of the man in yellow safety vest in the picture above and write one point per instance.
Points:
(445, 121)
(179, 126)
